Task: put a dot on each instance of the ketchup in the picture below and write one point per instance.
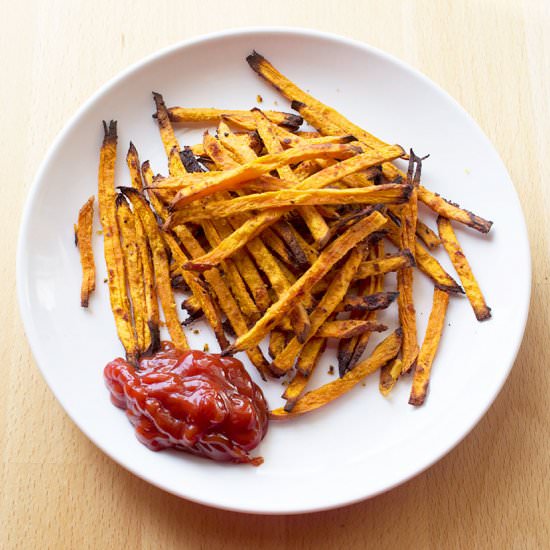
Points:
(193, 401)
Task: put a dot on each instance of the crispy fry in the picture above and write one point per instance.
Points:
(429, 347)
(290, 198)
(426, 262)
(132, 160)
(454, 250)
(427, 235)
(134, 272)
(151, 300)
(262, 67)
(277, 342)
(307, 361)
(244, 119)
(114, 260)
(83, 230)
(389, 374)
(332, 297)
(166, 131)
(368, 302)
(275, 243)
(191, 189)
(347, 328)
(286, 232)
(452, 211)
(382, 354)
(259, 223)
(393, 262)
(200, 292)
(330, 255)
(160, 265)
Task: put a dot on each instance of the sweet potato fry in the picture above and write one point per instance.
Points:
(286, 232)
(134, 272)
(328, 257)
(382, 354)
(307, 361)
(200, 293)
(429, 347)
(132, 160)
(83, 230)
(160, 264)
(256, 225)
(368, 302)
(392, 262)
(452, 211)
(427, 235)
(150, 293)
(166, 131)
(347, 328)
(231, 179)
(114, 260)
(244, 119)
(454, 250)
(332, 297)
(277, 342)
(389, 374)
(290, 198)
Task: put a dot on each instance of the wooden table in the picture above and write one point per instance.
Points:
(493, 491)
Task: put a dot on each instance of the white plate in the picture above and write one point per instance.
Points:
(363, 444)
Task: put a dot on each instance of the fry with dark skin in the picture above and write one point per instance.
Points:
(421, 378)
(242, 118)
(291, 198)
(382, 354)
(368, 302)
(392, 262)
(307, 361)
(114, 259)
(427, 235)
(134, 272)
(328, 257)
(83, 230)
(471, 287)
(347, 328)
(160, 265)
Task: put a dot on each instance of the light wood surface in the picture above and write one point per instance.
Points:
(492, 491)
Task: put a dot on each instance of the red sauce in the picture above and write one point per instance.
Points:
(193, 401)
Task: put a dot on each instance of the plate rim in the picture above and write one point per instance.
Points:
(38, 181)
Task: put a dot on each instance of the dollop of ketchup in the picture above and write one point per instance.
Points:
(193, 401)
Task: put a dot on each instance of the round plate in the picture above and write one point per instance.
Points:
(363, 443)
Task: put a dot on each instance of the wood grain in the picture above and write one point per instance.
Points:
(492, 491)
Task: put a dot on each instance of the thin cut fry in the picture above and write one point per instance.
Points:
(429, 347)
(347, 328)
(427, 235)
(116, 273)
(134, 272)
(452, 211)
(384, 352)
(191, 189)
(454, 250)
(277, 342)
(132, 160)
(368, 302)
(307, 361)
(332, 297)
(291, 198)
(393, 262)
(83, 230)
(160, 264)
(166, 131)
(330, 255)
(244, 119)
(388, 376)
